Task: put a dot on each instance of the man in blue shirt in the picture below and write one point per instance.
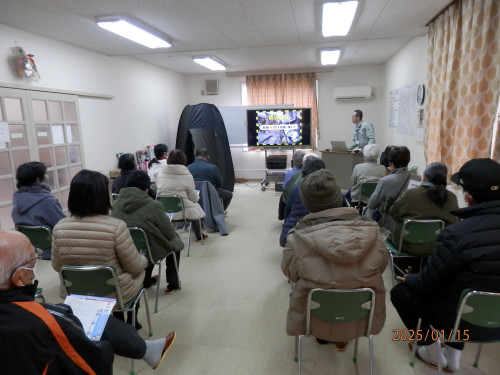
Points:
(202, 170)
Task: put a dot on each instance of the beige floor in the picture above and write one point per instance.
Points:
(230, 314)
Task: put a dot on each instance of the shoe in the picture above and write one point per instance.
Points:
(204, 238)
(322, 342)
(170, 290)
(169, 340)
(453, 357)
(341, 346)
(152, 282)
(428, 354)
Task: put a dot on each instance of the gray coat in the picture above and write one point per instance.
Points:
(368, 171)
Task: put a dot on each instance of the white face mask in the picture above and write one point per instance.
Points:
(33, 269)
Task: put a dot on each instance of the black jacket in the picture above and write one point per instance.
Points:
(27, 345)
(467, 256)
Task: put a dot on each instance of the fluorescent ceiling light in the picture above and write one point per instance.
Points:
(124, 28)
(209, 62)
(330, 56)
(337, 17)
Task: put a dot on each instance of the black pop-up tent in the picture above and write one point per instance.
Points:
(202, 125)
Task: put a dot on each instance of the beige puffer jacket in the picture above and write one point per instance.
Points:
(99, 240)
(341, 254)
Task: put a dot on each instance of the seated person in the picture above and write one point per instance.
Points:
(391, 186)
(295, 210)
(28, 345)
(467, 256)
(126, 164)
(137, 209)
(430, 200)
(176, 179)
(155, 165)
(33, 203)
(298, 157)
(369, 171)
(333, 248)
(202, 170)
(90, 236)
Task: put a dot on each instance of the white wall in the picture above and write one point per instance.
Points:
(147, 100)
(407, 66)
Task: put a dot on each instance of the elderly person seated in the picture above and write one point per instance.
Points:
(297, 161)
(369, 171)
(333, 248)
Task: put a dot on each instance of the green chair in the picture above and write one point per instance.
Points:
(479, 308)
(174, 204)
(338, 306)
(40, 237)
(142, 244)
(366, 190)
(101, 281)
(414, 231)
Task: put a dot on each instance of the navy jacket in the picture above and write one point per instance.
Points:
(294, 211)
(204, 171)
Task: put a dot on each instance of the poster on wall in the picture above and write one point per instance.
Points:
(393, 110)
(419, 131)
(407, 109)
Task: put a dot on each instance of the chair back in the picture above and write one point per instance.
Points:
(341, 306)
(94, 280)
(479, 308)
(420, 231)
(367, 189)
(141, 241)
(114, 196)
(171, 203)
(40, 236)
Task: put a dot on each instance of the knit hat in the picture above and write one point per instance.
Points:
(319, 191)
(138, 179)
(481, 178)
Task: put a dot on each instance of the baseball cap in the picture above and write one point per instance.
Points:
(480, 176)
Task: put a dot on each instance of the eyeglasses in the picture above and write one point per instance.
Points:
(22, 266)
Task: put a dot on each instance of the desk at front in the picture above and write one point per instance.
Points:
(342, 164)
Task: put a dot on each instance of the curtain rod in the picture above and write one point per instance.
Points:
(441, 11)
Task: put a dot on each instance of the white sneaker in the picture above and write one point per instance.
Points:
(429, 355)
(453, 357)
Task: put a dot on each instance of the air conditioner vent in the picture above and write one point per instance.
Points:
(212, 87)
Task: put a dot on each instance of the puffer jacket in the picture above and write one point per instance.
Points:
(294, 211)
(467, 256)
(176, 179)
(136, 208)
(95, 240)
(334, 249)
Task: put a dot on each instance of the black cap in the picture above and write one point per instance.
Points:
(480, 177)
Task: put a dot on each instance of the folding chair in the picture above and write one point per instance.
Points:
(142, 244)
(479, 308)
(414, 231)
(366, 190)
(173, 204)
(40, 237)
(338, 306)
(101, 281)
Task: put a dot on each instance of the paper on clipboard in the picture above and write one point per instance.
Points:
(93, 312)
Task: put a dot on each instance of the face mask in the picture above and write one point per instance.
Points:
(30, 269)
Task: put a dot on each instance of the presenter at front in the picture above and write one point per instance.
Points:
(363, 133)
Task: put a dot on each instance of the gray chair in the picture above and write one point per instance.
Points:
(101, 281)
(479, 308)
(338, 306)
(142, 244)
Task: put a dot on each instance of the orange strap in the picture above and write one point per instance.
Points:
(58, 333)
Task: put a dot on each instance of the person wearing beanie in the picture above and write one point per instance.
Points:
(333, 247)
(137, 209)
(467, 256)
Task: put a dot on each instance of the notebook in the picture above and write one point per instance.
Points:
(338, 146)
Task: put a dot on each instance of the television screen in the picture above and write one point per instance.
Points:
(279, 127)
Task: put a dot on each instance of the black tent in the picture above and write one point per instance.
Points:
(202, 125)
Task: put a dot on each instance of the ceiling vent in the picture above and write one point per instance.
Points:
(353, 92)
(212, 87)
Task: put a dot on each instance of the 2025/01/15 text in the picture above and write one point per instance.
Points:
(433, 334)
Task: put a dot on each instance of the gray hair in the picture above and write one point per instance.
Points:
(371, 152)
(9, 258)
(298, 158)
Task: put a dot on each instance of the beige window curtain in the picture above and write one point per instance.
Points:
(463, 82)
(297, 89)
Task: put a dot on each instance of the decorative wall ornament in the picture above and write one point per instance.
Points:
(25, 65)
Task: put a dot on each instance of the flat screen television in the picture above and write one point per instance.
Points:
(279, 127)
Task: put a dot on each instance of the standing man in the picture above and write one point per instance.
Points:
(363, 133)
(466, 257)
(202, 170)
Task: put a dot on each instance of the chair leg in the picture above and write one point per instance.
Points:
(148, 314)
(440, 364)
(201, 230)
(370, 339)
(158, 287)
(355, 356)
(476, 361)
(189, 238)
(299, 349)
(392, 268)
(414, 349)
(177, 269)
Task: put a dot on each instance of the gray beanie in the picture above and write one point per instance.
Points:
(319, 191)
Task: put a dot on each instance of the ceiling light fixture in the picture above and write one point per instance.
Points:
(338, 17)
(133, 31)
(209, 62)
(330, 56)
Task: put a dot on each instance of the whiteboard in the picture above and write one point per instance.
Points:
(235, 119)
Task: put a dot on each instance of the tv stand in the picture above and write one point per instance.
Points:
(276, 168)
